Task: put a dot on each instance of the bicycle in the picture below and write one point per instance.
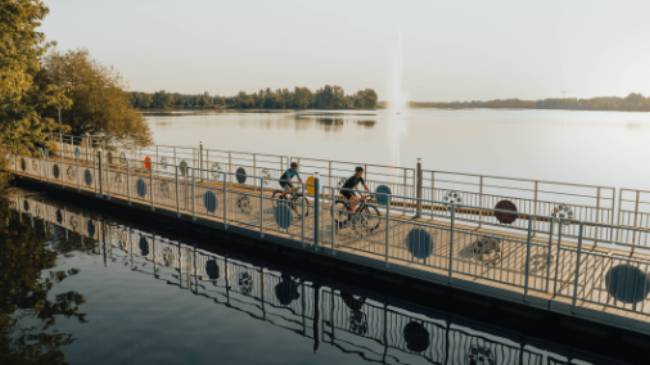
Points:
(297, 201)
(364, 220)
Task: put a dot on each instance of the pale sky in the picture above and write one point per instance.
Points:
(452, 50)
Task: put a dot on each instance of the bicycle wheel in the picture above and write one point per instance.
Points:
(368, 219)
(300, 205)
(341, 213)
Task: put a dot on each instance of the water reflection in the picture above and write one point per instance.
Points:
(304, 121)
(356, 322)
(30, 301)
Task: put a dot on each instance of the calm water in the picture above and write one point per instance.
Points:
(86, 288)
(605, 148)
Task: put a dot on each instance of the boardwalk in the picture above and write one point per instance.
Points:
(561, 250)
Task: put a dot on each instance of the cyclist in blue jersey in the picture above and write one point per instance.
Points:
(287, 176)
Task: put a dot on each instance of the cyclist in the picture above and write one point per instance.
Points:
(347, 190)
(285, 179)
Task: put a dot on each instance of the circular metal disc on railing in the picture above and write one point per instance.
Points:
(143, 244)
(416, 337)
(168, 256)
(212, 269)
(109, 157)
(74, 222)
(71, 171)
(383, 194)
(210, 201)
(563, 212)
(283, 216)
(26, 205)
(358, 323)
(453, 198)
(59, 216)
(240, 175)
(123, 158)
(77, 152)
(23, 164)
(90, 228)
(88, 177)
(215, 170)
(183, 168)
(286, 291)
(487, 250)
(244, 204)
(420, 243)
(245, 282)
(481, 355)
(141, 188)
(506, 211)
(163, 162)
(56, 171)
(147, 163)
(164, 189)
(627, 283)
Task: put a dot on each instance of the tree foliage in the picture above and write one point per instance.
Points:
(327, 97)
(25, 93)
(99, 103)
(632, 102)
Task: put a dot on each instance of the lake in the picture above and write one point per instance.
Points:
(111, 291)
(602, 148)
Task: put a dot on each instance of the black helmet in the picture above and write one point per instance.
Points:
(358, 169)
(294, 165)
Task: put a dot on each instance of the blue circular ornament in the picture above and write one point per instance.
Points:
(419, 243)
(383, 194)
(141, 188)
(210, 201)
(627, 283)
(283, 216)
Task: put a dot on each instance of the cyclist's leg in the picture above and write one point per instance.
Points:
(353, 201)
(285, 189)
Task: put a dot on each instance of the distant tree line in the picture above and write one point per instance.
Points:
(327, 97)
(632, 102)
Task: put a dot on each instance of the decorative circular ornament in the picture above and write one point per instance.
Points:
(419, 243)
(216, 170)
(164, 189)
(240, 175)
(88, 177)
(266, 174)
(123, 158)
(109, 157)
(283, 216)
(143, 244)
(163, 163)
(77, 152)
(383, 194)
(168, 256)
(147, 163)
(183, 168)
(487, 250)
(90, 228)
(481, 355)
(74, 222)
(286, 291)
(117, 178)
(212, 269)
(59, 216)
(627, 283)
(23, 164)
(244, 204)
(358, 323)
(416, 337)
(71, 172)
(35, 165)
(453, 198)
(311, 186)
(562, 212)
(245, 283)
(505, 212)
(210, 201)
(141, 188)
(56, 171)
(25, 205)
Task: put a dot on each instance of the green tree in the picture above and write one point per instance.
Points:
(25, 90)
(330, 97)
(99, 103)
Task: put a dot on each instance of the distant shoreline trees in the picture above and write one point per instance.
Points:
(632, 102)
(327, 97)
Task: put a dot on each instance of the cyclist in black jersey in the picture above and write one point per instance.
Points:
(347, 190)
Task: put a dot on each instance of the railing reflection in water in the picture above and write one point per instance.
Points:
(358, 325)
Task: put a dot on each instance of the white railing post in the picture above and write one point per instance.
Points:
(418, 188)
(261, 187)
(316, 209)
(387, 231)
